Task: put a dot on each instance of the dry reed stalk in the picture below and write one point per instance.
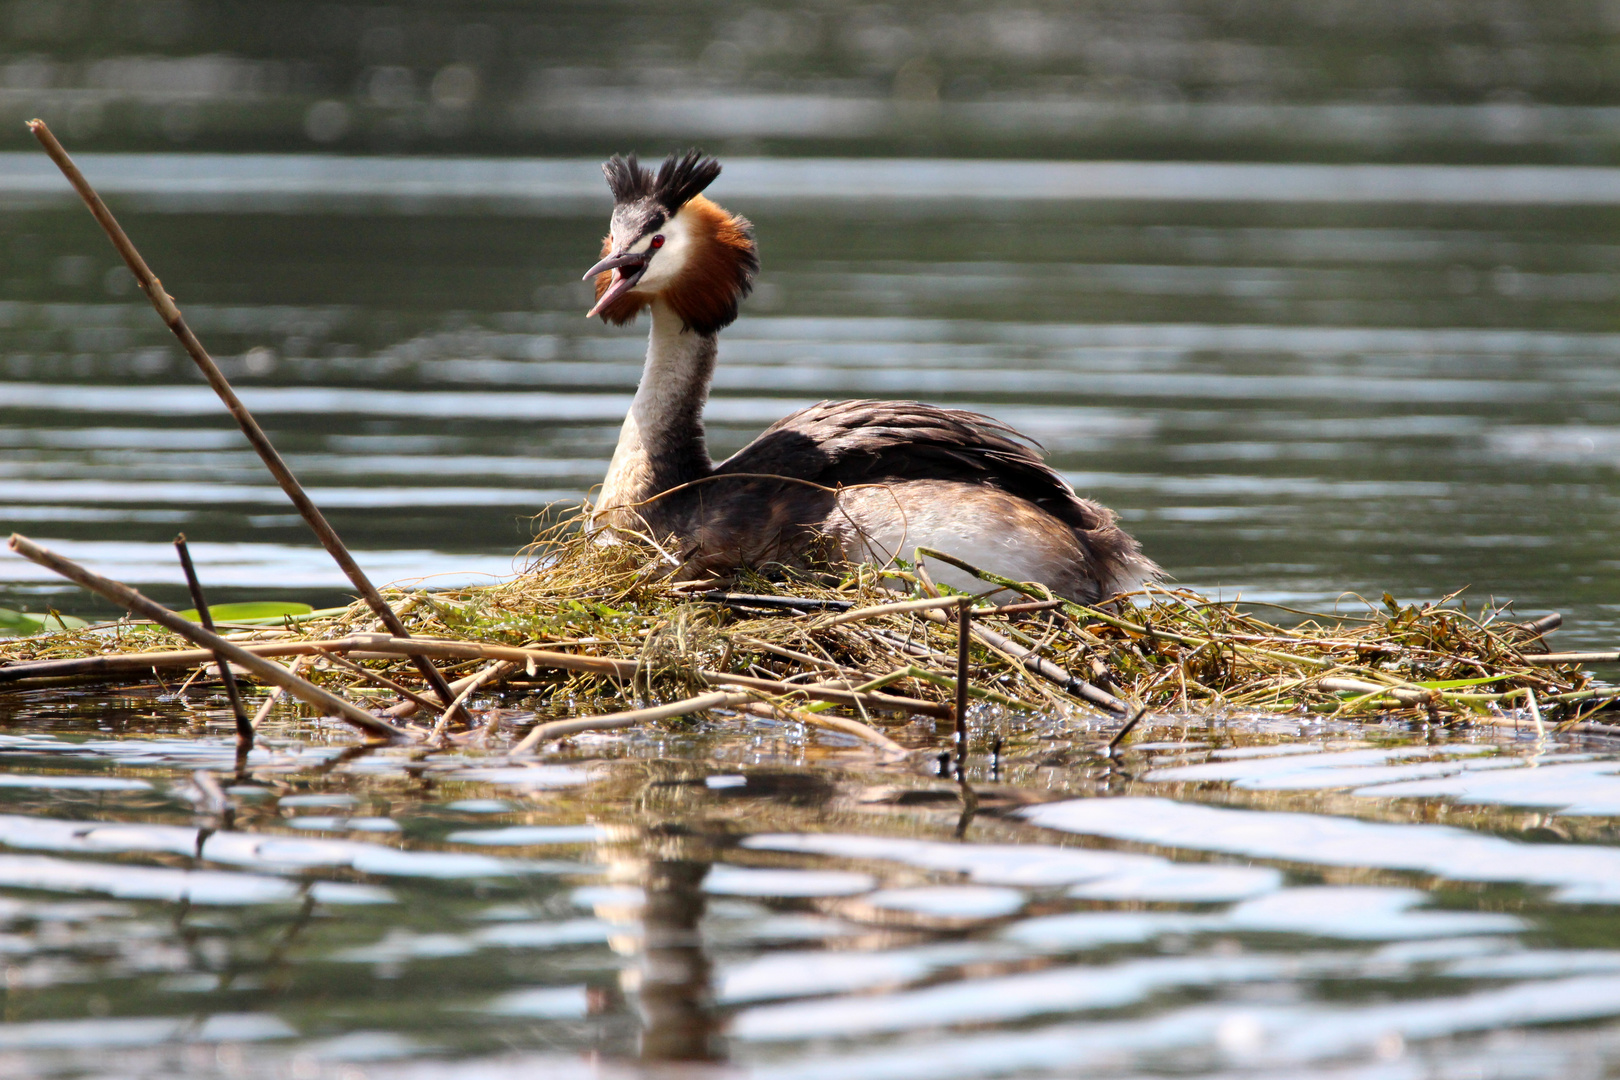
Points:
(170, 314)
(377, 680)
(859, 614)
(556, 729)
(1600, 693)
(1554, 659)
(1578, 727)
(244, 726)
(626, 670)
(380, 646)
(20, 686)
(1403, 695)
(837, 695)
(1036, 664)
(788, 654)
(180, 692)
(782, 603)
(126, 597)
(842, 724)
(474, 681)
(408, 708)
(1030, 607)
(128, 663)
(964, 635)
(276, 693)
(1129, 726)
(945, 681)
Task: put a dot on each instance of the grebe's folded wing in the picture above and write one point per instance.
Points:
(844, 443)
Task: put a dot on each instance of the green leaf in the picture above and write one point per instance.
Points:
(1440, 684)
(252, 609)
(1453, 684)
(24, 623)
(15, 622)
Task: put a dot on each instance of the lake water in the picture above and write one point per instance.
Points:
(1251, 898)
(1295, 384)
(1366, 379)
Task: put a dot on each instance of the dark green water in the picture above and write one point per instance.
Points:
(1396, 80)
(1284, 398)
(1290, 397)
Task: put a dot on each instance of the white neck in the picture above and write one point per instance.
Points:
(661, 443)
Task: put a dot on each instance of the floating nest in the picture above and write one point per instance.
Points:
(599, 636)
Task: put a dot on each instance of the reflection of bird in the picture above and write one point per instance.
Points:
(860, 481)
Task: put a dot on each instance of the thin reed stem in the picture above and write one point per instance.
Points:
(126, 597)
(372, 677)
(859, 614)
(556, 729)
(277, 693)
(473, 683)
(964, 634)
(244, 726)
(170, 314)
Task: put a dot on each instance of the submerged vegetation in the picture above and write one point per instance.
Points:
(596, 629)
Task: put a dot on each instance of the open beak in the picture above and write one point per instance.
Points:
(628, 268)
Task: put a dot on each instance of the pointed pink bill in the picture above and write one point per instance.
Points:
(628, 268)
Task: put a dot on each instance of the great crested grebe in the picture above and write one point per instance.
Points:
(853, 481)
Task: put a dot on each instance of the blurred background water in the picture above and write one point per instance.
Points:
(1341, 79)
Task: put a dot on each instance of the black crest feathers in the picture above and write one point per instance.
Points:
(679, 178)
(627, 179)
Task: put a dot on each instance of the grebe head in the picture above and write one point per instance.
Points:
(669, 242)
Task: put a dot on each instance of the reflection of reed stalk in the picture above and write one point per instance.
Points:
(964, 630)
(170, 314)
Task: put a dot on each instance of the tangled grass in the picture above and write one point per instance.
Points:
(1167, 650)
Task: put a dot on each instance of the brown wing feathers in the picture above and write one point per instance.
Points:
(864, 442)
(845, 444)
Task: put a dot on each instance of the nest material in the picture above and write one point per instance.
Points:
(1159, 649)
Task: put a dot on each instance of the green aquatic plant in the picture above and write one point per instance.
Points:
(254, 610)
(23, 623)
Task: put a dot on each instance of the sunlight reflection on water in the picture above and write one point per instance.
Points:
(1221, 937)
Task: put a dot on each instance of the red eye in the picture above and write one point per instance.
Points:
(657, 242)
